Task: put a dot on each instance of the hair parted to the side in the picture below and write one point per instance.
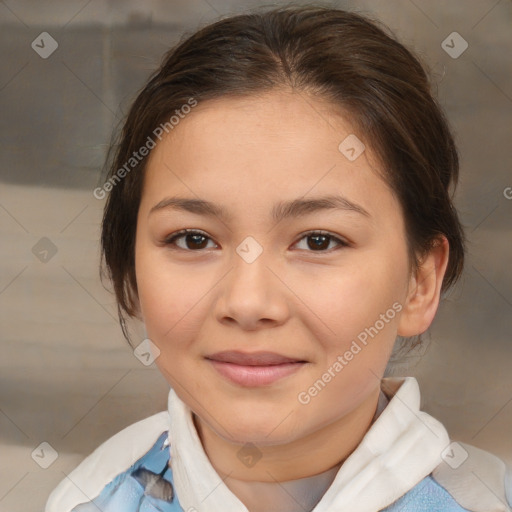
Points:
(333, 55)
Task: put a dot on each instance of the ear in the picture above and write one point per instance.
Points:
(424, 291)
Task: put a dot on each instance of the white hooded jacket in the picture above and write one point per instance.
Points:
(405, 462)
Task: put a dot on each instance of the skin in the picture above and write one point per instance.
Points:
(247, 154)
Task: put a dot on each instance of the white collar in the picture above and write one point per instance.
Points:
(401, 448)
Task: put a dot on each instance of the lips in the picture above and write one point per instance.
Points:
(252, 359)
(254, 369)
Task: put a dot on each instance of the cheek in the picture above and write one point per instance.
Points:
(356, 340)
(170, 296)
(345, 303)
(173, 306)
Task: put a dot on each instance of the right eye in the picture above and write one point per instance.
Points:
(194, 240)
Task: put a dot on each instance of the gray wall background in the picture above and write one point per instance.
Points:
(68, 378)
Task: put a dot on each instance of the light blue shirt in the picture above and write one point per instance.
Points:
(147, 486)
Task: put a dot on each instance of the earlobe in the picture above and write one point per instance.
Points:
(424, 291)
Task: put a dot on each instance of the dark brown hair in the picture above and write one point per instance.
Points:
(334, 55)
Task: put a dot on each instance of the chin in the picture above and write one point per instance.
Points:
(259, 428)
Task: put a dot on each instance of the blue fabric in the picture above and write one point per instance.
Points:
(427, 496)
(147, 486)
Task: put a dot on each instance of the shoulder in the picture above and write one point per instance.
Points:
(477, 479)
(468, 479)
(111, 458)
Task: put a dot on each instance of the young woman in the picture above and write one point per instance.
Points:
(280, 210)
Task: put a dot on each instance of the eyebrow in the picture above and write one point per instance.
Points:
(282, 210)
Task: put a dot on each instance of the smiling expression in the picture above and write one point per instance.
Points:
(292, 251)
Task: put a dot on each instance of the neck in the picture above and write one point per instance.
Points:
(302, 494)
(311, 455)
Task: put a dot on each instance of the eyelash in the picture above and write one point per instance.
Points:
(169, 241)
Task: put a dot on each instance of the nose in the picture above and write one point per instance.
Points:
(253, 295)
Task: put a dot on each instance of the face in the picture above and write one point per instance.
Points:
(276, 314)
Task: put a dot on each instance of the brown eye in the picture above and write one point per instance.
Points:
(193, 240)
(319, 241)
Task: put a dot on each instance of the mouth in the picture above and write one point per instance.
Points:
(254, 369)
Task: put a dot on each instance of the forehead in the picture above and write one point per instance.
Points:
(283, 121)
(265, 146)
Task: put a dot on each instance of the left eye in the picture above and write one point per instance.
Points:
(318, 241)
